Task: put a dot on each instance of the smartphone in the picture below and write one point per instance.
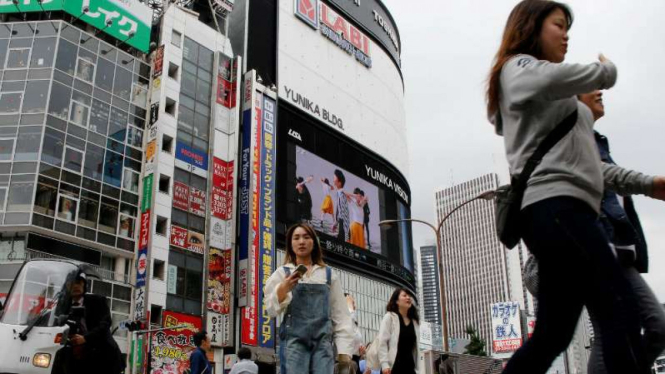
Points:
(302, 269)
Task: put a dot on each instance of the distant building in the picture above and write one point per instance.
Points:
(478, 269)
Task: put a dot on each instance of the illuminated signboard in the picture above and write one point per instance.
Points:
(126, 20)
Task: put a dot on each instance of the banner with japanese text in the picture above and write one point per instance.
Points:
(171, 348)
(506, 327)
(266, 205)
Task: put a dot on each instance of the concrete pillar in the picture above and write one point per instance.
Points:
(120, 266)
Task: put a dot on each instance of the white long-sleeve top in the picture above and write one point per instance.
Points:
(389, 338)
(342, 324)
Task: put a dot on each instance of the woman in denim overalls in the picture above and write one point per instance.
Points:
(312, 307)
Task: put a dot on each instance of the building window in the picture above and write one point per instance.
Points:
(10, 102)
(85, 69)
(167, 144)
(162, 225)
(186, 292)
(34, 100)
(170, 106)
(176, 38)
(158, 269)
(135, 137)
(126, 226)
(88, 209)
(6, 149)
(21, 191)
(131, 180)
(73, 159)
(67, 208)
(164, 183)
(173, 71)
(79, 113)
(18, 58)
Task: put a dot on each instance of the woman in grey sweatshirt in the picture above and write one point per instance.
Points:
(530, 92)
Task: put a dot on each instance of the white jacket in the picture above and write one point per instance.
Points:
(388, 338)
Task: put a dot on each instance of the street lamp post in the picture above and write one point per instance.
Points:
(488, 195)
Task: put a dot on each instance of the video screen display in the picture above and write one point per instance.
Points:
(343, 191)
(336, 202)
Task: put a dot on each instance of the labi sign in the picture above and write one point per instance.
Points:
(126, 20)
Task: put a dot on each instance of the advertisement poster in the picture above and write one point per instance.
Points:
(219, 281)
(197, 201)
(179, 237)
(171, 348)
(249, 233)
(243, 190)
(506, 327)
(196, 242)
(180, 196)
(267, 216)
(330, 206)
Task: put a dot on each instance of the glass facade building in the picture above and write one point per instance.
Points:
(72, 117)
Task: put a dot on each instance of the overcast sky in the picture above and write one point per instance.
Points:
(447, 49)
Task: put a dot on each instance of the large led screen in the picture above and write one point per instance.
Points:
(313, 161)
(336, 202)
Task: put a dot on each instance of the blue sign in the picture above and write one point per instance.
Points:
(191, 156)
(267, 215)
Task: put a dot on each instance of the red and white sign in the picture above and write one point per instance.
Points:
(180, 196)
(179, 237)
(145, 229)
(197, 202)
(307, 11)
(218, 203)
(341, 26)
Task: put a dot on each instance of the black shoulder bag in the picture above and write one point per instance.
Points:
(508, 200)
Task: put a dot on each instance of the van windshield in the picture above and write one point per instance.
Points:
(39, 288)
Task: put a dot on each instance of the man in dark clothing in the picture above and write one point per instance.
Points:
(93, 347)
(622, 226)
(198, 361)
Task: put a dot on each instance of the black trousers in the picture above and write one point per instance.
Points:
(576, 268)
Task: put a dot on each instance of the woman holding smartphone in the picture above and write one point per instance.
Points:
(530, 92)
(399, 335)
(308, 299)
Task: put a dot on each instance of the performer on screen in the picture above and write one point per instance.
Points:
(304, 199)
(327, 205)
(358, 201)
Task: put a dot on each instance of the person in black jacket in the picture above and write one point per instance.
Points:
(624, 231)
(94, 349)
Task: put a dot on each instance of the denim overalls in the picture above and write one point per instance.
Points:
(305, 335)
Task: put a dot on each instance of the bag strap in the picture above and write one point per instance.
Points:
(545, 145)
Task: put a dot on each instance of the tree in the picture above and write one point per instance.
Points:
(476, 346)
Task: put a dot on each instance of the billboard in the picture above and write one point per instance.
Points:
(335, 208)
(506, 327)
(346, 217)
(171, 348)
(127, 21)
(191, 159)
(257, 214)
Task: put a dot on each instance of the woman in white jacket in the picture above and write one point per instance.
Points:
(399, 335)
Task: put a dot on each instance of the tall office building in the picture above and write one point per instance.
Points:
(478, 269)
(430, 292)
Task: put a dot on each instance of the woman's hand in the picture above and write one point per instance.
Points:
(385, 371)
(659, 188)
(287, 285)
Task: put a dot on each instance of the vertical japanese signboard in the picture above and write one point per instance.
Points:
(506, 327)
(267, 215)
(249, 211)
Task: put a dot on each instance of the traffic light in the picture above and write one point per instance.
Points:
(136, 325)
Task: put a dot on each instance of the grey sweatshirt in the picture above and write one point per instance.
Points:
(535, 96)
